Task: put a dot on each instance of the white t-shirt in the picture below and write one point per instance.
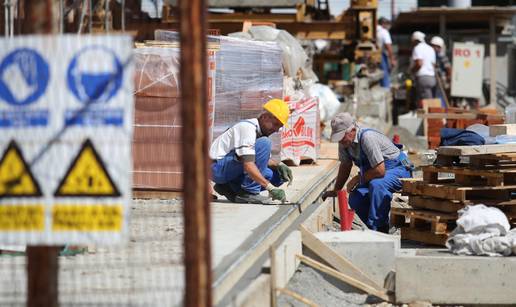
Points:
(424, 52)
(383, 37)
(241, 138)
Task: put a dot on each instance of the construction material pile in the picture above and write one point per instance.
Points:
(483, 174)
(456, 118)
(242, 76)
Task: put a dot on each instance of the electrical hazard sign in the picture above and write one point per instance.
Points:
(87, 176)
(16, 179)
(66, 121)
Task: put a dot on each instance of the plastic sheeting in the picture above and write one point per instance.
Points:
(243, 75)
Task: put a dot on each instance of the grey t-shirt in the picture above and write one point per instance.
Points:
(376, 146)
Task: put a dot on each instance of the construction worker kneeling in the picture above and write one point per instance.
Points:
(381, 164)
(242, 166)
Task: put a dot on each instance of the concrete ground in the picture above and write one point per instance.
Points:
(148, 270)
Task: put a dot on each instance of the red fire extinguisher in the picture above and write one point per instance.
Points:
(346, 214)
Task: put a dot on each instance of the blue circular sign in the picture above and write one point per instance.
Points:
(24, 76)
(95, 75)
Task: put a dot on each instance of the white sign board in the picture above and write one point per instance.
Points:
(66, 113)
(467, 70)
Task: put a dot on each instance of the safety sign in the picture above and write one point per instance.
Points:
(467, 68)
(24, 76)
(66, 118)
(16, 179)
(87, 176)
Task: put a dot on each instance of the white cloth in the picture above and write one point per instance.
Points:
(241, 137)
(482, 231)
(383, 37)
(424, 52)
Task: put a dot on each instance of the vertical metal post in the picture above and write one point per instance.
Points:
(492, 62)
(42, 263)
(194, 97)
(90, 15)
(61, 16)
(393, 10)
(106, 17)
(123, 15)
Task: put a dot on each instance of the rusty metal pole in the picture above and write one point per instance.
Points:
(42, 263)
(196, 195)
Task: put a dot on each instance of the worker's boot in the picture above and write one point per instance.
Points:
(226, 191)
(244, 197)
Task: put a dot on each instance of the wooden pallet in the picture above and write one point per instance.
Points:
(483, 161)
(433, 221)
(451, 191)
(451, 206)
(424, 226)
(499, 176)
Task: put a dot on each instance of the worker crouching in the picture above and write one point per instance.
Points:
(381, 164)
(241, 166)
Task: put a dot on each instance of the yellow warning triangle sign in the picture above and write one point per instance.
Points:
(16, 179)
(87, 176)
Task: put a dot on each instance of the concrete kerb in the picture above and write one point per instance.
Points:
(440, 277)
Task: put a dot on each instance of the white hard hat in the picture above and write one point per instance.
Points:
(418, 36)
(438, 41)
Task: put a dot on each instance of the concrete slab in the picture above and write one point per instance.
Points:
(440, 277)
(372, 252)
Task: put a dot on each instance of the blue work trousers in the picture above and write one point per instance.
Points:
(229, 170)
(384, 65)
(372, 201)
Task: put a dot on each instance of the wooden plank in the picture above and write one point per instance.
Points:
(272, 255)
(346, 278)
(435, 204)
(455, 192)
(508, 129)
(332, 258)
(423, 236)
(489, 172)
(297, 296)
(459, 116)
(476, 150)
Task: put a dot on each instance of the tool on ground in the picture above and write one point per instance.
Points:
(346, 214)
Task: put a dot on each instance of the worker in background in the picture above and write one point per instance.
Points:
(442, 65)
(242, 166)
(381, 164)
(422, 66)
(384, 42)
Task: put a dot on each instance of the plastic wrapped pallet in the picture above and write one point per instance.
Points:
(248, 74)
(157, 124)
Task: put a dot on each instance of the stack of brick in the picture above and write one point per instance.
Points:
(242, 76)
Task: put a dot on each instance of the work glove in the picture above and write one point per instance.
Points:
(285, 172)
(327, 194)
(278, 194)
(275, 193)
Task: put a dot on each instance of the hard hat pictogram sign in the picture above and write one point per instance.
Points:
(16, 179)
(87, 176)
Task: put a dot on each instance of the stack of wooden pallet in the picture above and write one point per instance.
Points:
(474, 175)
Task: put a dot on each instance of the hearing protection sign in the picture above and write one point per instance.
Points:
(66, 118)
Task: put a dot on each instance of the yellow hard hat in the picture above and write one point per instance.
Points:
(279, 109)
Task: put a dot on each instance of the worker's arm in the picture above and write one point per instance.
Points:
(252, 170)
(417, 65)
(375, 172)
(342, 177)
(390, 54)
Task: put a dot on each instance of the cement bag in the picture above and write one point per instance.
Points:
(300, 140)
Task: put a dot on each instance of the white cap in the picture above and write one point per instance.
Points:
(438, 41)
(418, 36)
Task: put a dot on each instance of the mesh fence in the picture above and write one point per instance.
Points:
(147, 271)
